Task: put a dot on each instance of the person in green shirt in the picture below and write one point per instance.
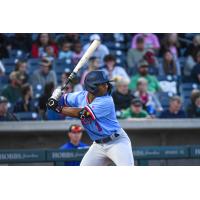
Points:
(153, 84)
(135, 110)
(13, 90)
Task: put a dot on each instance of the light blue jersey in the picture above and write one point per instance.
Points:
(103, 121)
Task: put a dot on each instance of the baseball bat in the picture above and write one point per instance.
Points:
(86, 56)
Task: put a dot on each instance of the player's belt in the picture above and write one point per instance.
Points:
(107, 139)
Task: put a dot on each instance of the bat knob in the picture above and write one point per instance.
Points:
(51, 102)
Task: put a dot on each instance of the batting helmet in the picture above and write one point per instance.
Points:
(95, 78)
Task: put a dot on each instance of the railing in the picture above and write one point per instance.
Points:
(140, 154)
(143, 124)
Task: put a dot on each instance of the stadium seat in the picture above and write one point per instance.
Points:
(37, 91)
(9, 65)
(164, 99)
(33, 64)
(18, 54)
(27, 116)
(4, 80)
(187, 87)
(61, 66)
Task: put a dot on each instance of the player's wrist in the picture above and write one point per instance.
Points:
(53, 105)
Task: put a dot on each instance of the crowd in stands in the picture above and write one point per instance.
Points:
(155, 75)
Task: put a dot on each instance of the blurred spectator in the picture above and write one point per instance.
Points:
(25, 104)
(150, 41)
(70, 37)
(93, 65)
(21, 41)
(136, 54)
(153, 84)
(39, 48)
(75, 135)
(168, 66)
(152, 61)
(3, 46)
(149, 100)
(135, 110)
(48, 90)
(174, 110)
(13, 90)
(196, 70)
(193, 109)
(4, 114)
(2, 69)
(77, 52)
(49, 53)
(44, 75)
(21, 67)
(122, 95)
(170, 43)
(100, 52)
(65, 52)
(113, 71)
(64, 76)
(191, 54)
(74, 86)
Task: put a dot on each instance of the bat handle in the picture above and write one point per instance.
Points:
(69, 79)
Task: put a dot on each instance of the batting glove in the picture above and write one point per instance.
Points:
(53, 100)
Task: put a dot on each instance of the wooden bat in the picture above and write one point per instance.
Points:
(86, 56)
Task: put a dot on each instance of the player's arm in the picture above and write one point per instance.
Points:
(53, 104)
(71, 112)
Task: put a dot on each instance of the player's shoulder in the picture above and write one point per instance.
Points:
(107, 99)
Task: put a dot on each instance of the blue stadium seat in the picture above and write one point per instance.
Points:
(61, 66)
(9, 65)
(4, 80)
(164, 98)
(37, 91)
(27, 116)
(184, 87)
(33, 64)
(18, 54)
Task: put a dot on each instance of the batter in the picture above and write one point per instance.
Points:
(95, 108)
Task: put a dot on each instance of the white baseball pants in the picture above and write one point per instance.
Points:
(117, 151)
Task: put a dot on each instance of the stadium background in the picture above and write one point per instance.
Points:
(157, 141)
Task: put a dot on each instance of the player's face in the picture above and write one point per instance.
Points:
(102, 88)
(75, 138)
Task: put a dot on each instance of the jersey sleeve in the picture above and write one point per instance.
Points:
(101, 107)
(69, 99)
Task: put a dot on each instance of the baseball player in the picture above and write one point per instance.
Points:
(95, 108)
(75, 134)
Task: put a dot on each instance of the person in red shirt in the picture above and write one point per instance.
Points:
(39, 47)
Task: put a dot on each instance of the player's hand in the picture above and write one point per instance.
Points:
(57, 93)
(53, 100)
(53, 105)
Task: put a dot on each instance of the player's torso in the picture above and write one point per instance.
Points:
(102, 126)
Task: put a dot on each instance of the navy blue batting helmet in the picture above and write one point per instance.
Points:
(95, 78)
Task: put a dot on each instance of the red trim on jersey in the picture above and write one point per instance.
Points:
(90, 111)
(87, 99)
